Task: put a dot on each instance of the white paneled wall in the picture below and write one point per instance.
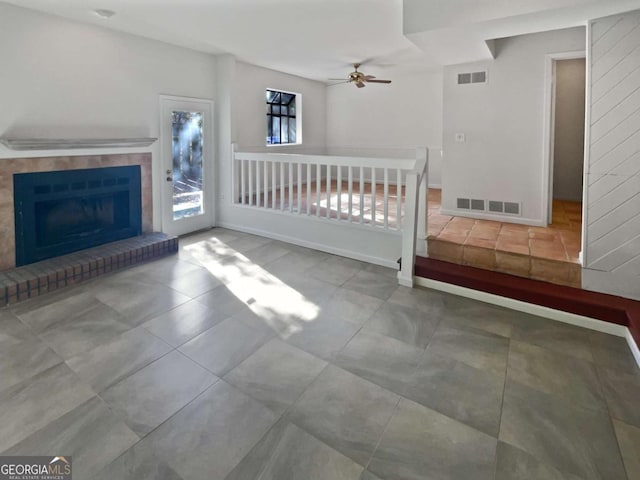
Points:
(612, 241)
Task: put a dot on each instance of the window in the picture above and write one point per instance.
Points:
(282, 122)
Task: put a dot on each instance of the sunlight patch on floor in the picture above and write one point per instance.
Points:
(279, 306)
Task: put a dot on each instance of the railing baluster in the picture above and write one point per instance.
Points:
(339, 192)
(266, 185)
(328, 191)
(350, 186)
(309, 184)
(399, 199)
(373, 196)
(283, 187)
(318, 187)
(290, 167)
(273, 185)
(258, 184)
(250, 168)
(361, 195)
(386, 198)
(242, 180)
(299, 188)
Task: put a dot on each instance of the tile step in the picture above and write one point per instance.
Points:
(535, 267)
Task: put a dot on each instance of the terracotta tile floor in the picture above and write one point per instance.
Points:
(549, 253)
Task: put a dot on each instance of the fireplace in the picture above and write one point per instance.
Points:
(64, 211)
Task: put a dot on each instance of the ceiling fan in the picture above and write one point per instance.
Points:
(359, 79)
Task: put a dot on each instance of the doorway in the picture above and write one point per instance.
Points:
(568, 147)
(564, 147)
(186, 126)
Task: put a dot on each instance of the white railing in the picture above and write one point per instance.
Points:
(385, 194)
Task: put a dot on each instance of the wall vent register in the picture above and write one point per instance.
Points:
(511, 208)
(470, 204)
(472, 77)
(494, 206)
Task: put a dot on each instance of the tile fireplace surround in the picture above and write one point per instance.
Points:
(44, 164)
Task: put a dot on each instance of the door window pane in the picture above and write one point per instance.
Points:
(187, 150)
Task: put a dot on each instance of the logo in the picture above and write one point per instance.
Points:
(35, 468)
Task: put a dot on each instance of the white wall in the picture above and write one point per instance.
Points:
(249, 107)
(611, 239)
(61, 79)
(568, 156)
(404, 114)
(242, 118)
(502, 157)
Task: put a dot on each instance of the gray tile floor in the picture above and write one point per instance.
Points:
(245, 358)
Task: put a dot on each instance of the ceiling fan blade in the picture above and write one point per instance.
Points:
(338, 79)
(339, 83)
(379, 81)
(369, 77)
(360, 84)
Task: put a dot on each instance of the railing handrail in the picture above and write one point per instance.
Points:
(331, 160)
(421, 163)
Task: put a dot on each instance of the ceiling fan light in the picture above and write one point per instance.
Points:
(360, 79)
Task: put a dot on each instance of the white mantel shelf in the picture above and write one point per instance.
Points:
(71, 143)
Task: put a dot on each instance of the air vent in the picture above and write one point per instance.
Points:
(464, 203)
(512, 208)
(479, 77)
(496, 206)
(472, 77)
(464, 78)
(477, 205)
(470, 204)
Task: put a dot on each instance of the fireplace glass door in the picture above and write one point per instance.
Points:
(187, 161)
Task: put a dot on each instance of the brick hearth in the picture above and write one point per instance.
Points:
(29, 281)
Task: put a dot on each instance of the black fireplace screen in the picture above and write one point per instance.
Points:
(65, 211)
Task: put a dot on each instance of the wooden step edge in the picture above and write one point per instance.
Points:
(601, 306)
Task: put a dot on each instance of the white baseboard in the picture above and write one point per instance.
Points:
(546, 312)
(435, 185)
(633, 346)
(550, 313)
(315, 246)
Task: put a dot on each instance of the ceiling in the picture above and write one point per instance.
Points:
(319, 39)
